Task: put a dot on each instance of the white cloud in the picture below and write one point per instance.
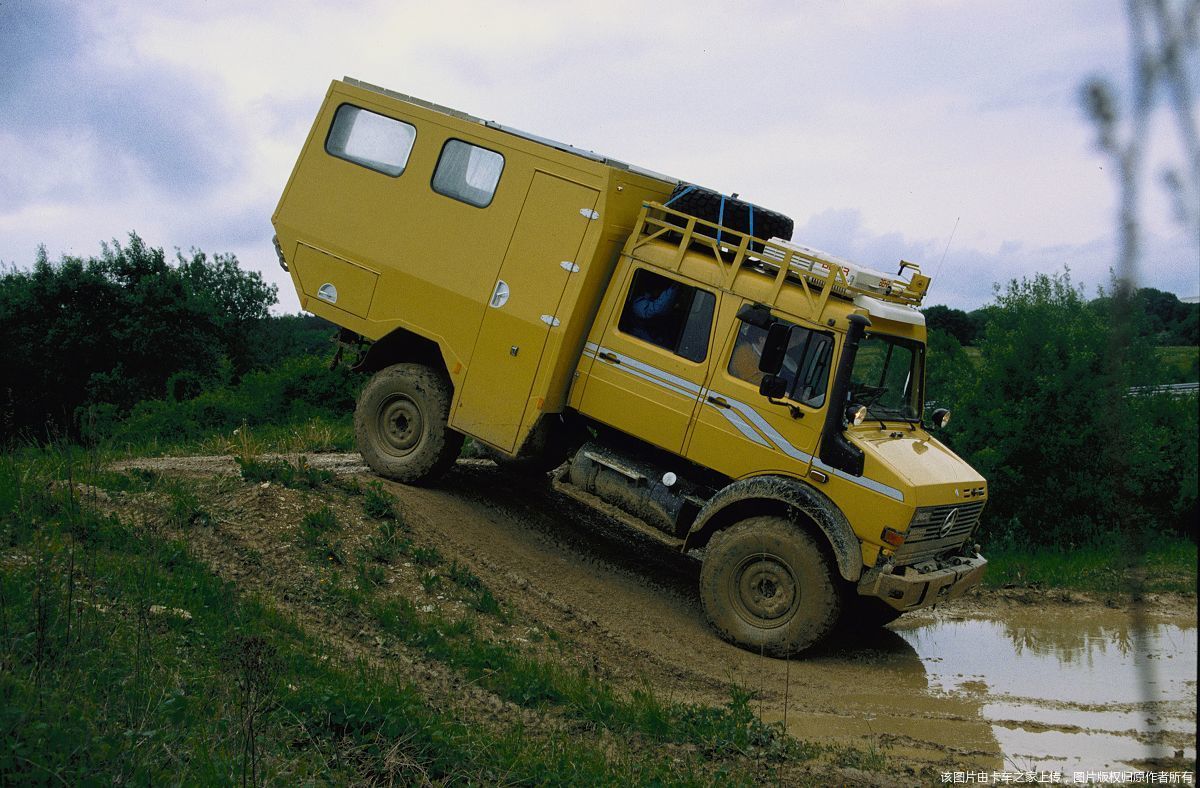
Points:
(876, 125)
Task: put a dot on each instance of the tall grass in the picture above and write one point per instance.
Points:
(1168, 564)
(123, 659)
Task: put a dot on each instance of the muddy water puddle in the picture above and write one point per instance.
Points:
(1068, 692)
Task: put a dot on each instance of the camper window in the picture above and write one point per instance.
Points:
(467, 172)
(370, 139)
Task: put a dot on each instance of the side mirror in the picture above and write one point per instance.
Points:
(779, 335)
(772, 386)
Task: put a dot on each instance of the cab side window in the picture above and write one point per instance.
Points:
(670, 314)
(805, 367)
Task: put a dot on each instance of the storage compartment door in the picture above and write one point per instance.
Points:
(335, 281)
(520, 313)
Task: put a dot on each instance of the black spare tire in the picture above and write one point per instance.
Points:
(737, 215)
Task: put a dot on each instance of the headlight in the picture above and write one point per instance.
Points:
(941, 417)
(856, 414)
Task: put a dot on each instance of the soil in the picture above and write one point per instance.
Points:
(627, 609)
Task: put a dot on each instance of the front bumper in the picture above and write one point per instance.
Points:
(912, 590)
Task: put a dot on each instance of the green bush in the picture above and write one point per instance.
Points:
(113, 330)
(297, 390)
(1046, 417)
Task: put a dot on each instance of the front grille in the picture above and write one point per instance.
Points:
(925, 539)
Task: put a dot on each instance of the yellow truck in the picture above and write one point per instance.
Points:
(666, 350)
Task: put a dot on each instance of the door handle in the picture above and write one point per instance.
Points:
(609, 357)
(720, 402)
(499, 295)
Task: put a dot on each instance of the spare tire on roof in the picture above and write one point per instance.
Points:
(735, 214)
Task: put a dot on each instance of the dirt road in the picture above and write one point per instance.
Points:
(954, 688)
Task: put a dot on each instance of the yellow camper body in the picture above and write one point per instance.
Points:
(768, 421)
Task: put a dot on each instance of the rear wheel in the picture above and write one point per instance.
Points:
(767, 586)
(400, 424)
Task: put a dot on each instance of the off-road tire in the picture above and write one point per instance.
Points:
(767, 586)
(400, 424)
(706, 204)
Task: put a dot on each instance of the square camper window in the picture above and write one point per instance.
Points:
(370, 139)
(669, 314)
(468, 172)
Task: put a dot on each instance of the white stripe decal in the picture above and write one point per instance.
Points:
(662, 383)
(772, 434)
(862, 481)
(678, 381)
(741, 426)
(678, 385)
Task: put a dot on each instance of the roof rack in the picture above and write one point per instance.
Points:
(817, 274)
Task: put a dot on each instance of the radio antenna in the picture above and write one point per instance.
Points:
(947, 249)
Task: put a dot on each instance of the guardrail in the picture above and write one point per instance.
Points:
(1170, 389)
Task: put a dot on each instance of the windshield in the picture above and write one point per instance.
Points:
(887, 377)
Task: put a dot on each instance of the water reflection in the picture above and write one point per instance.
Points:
(872, 689)
(1064, 692)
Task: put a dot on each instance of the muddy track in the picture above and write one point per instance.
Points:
(630, 610)
(631, 607)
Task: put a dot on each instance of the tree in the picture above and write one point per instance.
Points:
(112, 330)
(1036, 420)
(954, 322)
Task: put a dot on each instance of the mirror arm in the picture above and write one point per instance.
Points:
(795, 411)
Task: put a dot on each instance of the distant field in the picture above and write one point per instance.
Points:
(1182, 360)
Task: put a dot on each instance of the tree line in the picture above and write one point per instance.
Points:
(1160, 318)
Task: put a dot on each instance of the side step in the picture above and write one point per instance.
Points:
(626, 519)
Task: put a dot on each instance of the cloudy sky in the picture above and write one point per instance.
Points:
(878, 126)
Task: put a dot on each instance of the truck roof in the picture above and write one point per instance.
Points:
(491, 124)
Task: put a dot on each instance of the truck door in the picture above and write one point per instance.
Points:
(521, 310)
(652, 358)
(736, 430)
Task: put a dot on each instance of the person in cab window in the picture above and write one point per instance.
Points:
(746, 353)
(649, 308)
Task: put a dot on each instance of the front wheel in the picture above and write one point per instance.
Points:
(767, 586)
(400, 424)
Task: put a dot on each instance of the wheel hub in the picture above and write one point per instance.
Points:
(766, 592)
(400, 425)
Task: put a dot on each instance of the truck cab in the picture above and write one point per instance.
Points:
(751, 402)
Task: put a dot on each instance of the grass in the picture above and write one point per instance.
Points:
(1181, 361)
(97, 685)
(124, 659)
(298, 475)
(223, 688)
(526, 681)
(1169, 566)
(316, 533)
(378, 503)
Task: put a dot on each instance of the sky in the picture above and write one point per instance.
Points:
(943, 132)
